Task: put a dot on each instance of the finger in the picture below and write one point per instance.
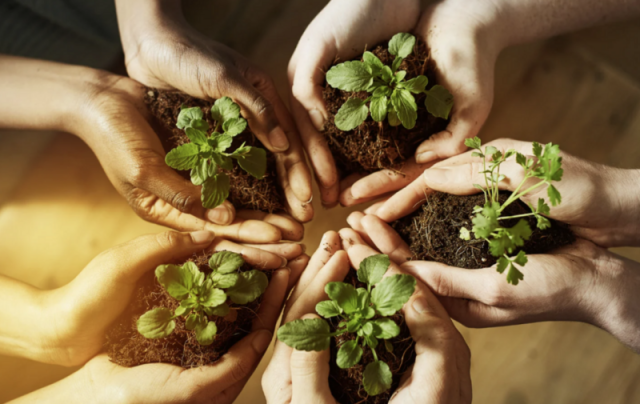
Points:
(404, 201)
(289, 228)
(373, 209)
(350, 238)
(346, 198)
(385, 181)
(288, 251)
(474, 314)
(248, 231)
(306, 75)
(385, 239)
(297, 265)
(501, 144)
(272, 301)
(447, 143)
(354, 220)
(256, 257)
(310, 375)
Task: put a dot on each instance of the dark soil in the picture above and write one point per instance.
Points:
(376, 145)
(346, 384)
(433, 231)
(126, 347)
(246, 191)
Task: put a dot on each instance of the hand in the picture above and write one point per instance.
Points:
(163, 51)
(441, 373)
(341, 30)
(579, 282)
(66, 326)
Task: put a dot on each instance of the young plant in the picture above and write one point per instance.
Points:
(503, 241)
(206, 154)
(365, 315)
(202, 296)
(391, 95)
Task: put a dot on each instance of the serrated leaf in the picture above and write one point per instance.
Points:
(215, 190)
(537, 149)
(385, 328)
(250, 285)
(521, 160)
(542, 222)
(514, 276)
(521, 259)
(213, 297)
(183, 157)
(474, 142)
(543, 208)
(200, 172)
(177, 280)
(377, 378)
(306, 335)
(379, 108)
(344, 295)
(156, 323)
(196, 136)
(328, 309)
(220, 143)
(351, 114)
(350, 76)
(349, 354)
(554, 195)
(405, 106)
(234, 126)
(373, 268)
(188, 116)
(502, 264)
(253, 160)
(224, 109)
(225, 262)
(205, 335)
(485, 222)
(223, 281)
(402, 44)
(465, 234)
(392, 293)
(417, 84)
(439, 102)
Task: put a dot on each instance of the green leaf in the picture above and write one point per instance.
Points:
(373, 61)
(554, 195)
(328, 309)
(222, 161)
(190, 116)
(200, 172)
(205, 335)
(251, 284)
(393, 118)
(192, 321)
(156, 323)
(220, 311)
(351, 114)
(177, 280)
(220, 143)
(543, 208)
(379, 108)
(213, 297)
(373, 268)
(224, 109)
(396, 63)
(367, 328)
(485, 222)
(520, 232)
(439, 102)
(405, 106)
(465, 234)
(183, 157)
(215, 190)
(416, 85)
(473, 142)
(382, 91)
(537, 149)
(306, 335)
(225, 262)
(399, 76)
(252, 160)
(377, 378)
(542, 222)
(234, 126)
(350, 76)
(521, 159)
(392, 293)
(402, 44)
(521, 259)
(503, 263)
(388, 346)
(514, 276)
(181, 310)
(349, 354)
(387, 74)
(344, 295)
(385, 328)
(196, 136)
(223, 281)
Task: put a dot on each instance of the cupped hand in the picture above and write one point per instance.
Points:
(78, 314)
(441, 373)
(342, 30)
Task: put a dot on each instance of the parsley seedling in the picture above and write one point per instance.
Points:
(547, 167)
(391, 95)
(364, 312)
(202, 296)
(206, 154)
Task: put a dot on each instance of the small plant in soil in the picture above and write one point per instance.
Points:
(202, 296)
(392, 97)
(504, 241)
(206, 155)
(364, 313)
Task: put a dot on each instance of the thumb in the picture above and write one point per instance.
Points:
(310, 375)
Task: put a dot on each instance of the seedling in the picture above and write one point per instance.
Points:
(365, 314)
(503, 241)
(391, 96)
(207, 154)
(202, 296)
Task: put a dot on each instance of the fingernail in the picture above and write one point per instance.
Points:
(261, 340)
(284, 262)
(329, 205)
(317, 119)
(437, 176)
(426, 157)
(202, 236)
(219, 215)
(309, 201)
(420, 305)
(278, 139)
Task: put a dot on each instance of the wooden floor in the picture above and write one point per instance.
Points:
(58, 209)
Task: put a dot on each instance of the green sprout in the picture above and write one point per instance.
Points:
(202, 296)
(503, 241)
(364, 312)
(391, 95)
(206, 154)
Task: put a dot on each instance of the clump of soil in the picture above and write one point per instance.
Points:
(346, 384)
(433, 231)
(127, 347)
(246, 191)
(373, 145)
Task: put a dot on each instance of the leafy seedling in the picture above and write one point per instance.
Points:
(365, 314)
(207, 154)
(202, 296)
(392, 96)
(504, 241)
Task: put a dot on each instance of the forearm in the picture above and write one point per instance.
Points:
(70, 390)
(139, 20)
(622, 188)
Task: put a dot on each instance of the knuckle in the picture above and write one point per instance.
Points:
(262, 108)
(184, 202)
(169, 239)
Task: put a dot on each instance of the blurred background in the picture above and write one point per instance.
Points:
(58, 210)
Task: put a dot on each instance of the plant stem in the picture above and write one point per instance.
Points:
(517, 216)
